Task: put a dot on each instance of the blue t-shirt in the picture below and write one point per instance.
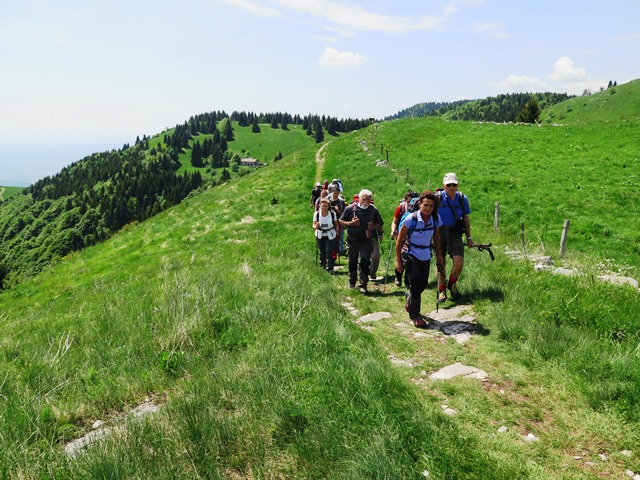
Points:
(460, 206)
(421, 236)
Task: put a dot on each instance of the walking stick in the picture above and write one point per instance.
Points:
(439, 272)
(384, 288)
(483, 247)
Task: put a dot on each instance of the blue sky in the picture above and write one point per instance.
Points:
(80, 76)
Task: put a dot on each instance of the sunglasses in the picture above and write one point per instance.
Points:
(451, 185)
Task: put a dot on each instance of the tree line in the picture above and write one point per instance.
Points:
(93, 198)
(86, 203)
(513, 107)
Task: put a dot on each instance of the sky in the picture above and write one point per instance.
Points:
(82, 76)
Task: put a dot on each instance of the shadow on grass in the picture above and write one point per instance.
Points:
(494, 294)
(456, 327)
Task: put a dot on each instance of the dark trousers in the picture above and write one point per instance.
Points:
(326, 252)
(417, 274)
(359, 250)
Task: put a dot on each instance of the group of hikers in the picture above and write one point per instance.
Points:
(424, 225)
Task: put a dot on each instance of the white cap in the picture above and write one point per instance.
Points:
(450, 178)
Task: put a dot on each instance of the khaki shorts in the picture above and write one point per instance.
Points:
(451, 243)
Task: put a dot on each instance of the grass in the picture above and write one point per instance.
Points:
(8, 192)
(614, 105)
(215, 310)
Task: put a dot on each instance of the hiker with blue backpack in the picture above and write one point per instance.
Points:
(418, 234)
(454, 213)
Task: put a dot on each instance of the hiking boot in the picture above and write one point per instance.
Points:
(419, 322)
(398, 283)
(352, 286)
(362, 289)
(442, 296)
(453, 288)
(407, 302)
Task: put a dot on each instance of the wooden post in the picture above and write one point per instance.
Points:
(496, 217)
(563, 238)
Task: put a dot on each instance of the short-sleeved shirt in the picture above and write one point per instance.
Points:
(365, 215)
(421, 235)
(459, 205)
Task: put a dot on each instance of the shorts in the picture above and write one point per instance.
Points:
(451, 242)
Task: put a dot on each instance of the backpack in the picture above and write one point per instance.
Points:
(459, 226)
(412, 228)
(316, 218)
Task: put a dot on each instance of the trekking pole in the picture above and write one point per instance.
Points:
(439, 272)
(384, 288)
(483, 247)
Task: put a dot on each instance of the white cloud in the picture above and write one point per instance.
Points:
(336, 59)
(253, 8)
(565, 70)
(578, 88)
(492, 29)
(520, 83)
(360, 19)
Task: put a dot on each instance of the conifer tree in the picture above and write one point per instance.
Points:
(228, 131)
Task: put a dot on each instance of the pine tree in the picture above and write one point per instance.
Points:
(228, 131)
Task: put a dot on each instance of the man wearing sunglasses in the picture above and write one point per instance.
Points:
(454, 212)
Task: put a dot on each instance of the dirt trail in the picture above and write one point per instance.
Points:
(320, 163)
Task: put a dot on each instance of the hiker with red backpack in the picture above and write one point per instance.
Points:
(361, 220)
(454, 213)
(418, 234)
(401, 209)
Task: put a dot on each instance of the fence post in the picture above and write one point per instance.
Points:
(496, 217)
(563, 238)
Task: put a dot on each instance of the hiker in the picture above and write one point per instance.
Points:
(375, 253)
(401, 209)
(361, 220)
(418, 229)
(315, 194)
(454, 213)
(338, 184)
(325, 224)
(323, 194)
(338, 205)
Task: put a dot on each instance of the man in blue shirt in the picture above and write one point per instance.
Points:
(454, 212)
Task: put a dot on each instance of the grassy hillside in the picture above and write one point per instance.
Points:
(540, 177)
(215, 311)
(7, 192)
(616, 104)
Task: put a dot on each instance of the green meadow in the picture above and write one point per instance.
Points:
(7, 192)
(215, 311)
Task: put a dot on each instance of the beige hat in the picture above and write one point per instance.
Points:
(450, 178)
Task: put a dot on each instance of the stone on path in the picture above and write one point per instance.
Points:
(373, 317)
(618, 280)
(458, 370)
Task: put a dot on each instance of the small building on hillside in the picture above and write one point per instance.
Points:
(249, 162)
